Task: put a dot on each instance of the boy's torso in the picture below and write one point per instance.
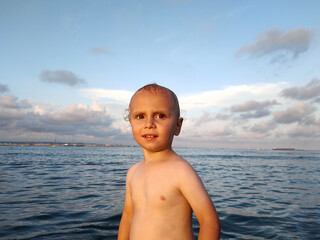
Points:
(160, 210)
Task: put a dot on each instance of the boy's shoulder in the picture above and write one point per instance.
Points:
(133, 168)
(180, 168)
(183, 167)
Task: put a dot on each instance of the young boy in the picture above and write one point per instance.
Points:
(163, 189)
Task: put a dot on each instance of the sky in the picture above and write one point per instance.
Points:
(246, 72)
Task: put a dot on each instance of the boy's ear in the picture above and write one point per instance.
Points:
(178, 128)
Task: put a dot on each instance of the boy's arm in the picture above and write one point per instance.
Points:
(195, 193)
(127, 214)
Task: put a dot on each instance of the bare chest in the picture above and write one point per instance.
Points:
(155, 189)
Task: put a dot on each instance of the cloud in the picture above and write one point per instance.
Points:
(215, 120)
(100, 50)
(62, 77)
(25, 104)
(311, 120)
(204, 118)
(3, 88)
(12, 109)
(89, 122)
(310, 91)
(224, 130)
(297, 113)
(263, 126)
(256, 114)
(230, 95)
(76, 114)
(304, 131)
(9, 101)
(252, 105)
(221, 118)
(211, 133)
(11, 114)
(296, 41)
(253, 108)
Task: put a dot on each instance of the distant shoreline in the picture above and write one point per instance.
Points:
(55, 144)
(63, 144)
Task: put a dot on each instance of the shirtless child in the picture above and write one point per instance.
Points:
(163, 189)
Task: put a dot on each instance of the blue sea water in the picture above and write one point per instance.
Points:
(78, 193)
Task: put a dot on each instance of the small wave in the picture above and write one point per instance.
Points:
(87, 196)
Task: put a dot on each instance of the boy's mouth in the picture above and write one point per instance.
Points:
(149, 136)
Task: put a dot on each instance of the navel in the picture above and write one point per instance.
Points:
(162, 198)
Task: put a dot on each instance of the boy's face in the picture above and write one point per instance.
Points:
(154, 120)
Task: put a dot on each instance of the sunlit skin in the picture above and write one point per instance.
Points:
(163, 189)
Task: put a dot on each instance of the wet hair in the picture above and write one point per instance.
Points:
(155, 88)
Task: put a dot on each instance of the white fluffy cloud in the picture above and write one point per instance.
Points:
(87, 123)
(251, 115)
(230, 95)
(238, 116)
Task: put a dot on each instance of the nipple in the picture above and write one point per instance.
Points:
(162, 198)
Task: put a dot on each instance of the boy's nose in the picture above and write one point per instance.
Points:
(149, 123)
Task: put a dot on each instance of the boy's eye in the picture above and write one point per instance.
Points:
(140, 116)
(160, 115)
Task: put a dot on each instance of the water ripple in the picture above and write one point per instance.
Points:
(78, 193)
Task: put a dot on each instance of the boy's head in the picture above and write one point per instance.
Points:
(154, 115)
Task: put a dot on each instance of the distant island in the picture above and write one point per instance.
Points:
(284, 149)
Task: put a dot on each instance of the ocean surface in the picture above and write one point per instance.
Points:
(78, 193)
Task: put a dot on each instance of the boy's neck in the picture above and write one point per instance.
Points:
(163, 155)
